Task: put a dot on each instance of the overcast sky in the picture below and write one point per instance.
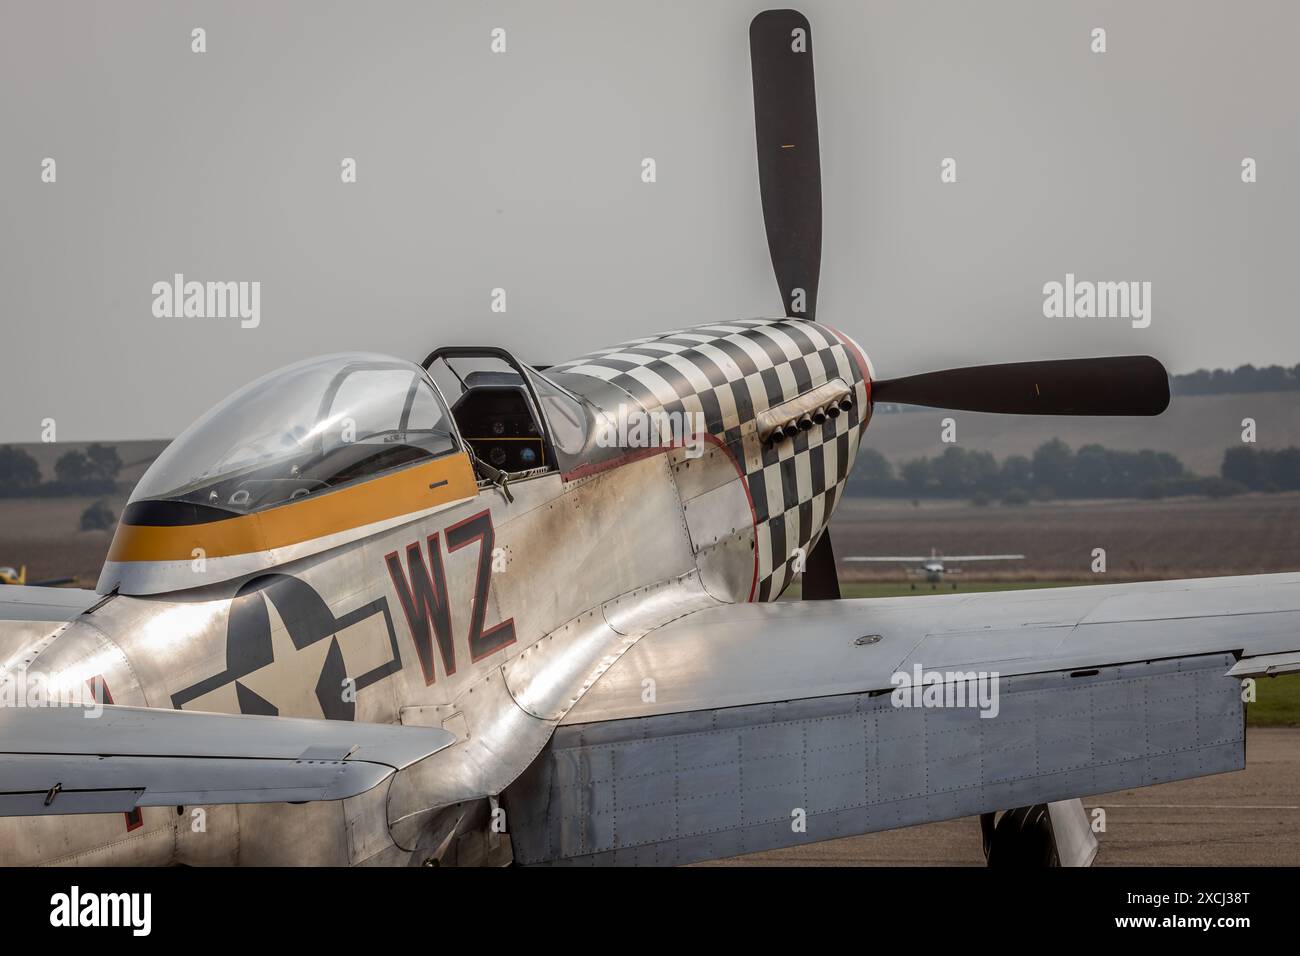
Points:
(522, 170)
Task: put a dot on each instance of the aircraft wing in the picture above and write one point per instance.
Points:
(60, 760)
(983, 557)
(747, 727)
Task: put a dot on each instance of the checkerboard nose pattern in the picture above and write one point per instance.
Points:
(731, 373)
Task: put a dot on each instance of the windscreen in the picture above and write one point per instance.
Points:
(304, 429)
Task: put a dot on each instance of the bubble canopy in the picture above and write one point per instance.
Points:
(299, 431)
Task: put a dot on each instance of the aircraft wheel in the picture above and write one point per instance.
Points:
(1022, 839)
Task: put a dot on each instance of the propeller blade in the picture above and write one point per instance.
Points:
(789, 162)
(821, 582)
(1124, 385)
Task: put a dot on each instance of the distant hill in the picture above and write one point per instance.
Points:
(1195, 428)
(1243, 378)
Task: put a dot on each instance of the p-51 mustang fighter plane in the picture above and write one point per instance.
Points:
(351, 616)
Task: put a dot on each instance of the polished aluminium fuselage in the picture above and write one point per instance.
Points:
(487, 616)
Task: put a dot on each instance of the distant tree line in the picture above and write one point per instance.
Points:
(92, 471)
(1245, 378)
(1263, 469)
(1053, 471)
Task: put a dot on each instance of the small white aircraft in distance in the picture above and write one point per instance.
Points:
(933, 567)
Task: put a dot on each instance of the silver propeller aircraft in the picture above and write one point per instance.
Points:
(936, 565)
(371, 612)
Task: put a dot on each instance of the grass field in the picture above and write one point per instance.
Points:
(1277, 701)
(45, 535)
(1143, 540)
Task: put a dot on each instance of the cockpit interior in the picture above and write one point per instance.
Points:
(503, 409)
(496, 419)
